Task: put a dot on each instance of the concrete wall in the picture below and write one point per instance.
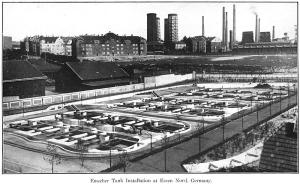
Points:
(69, 97)
(162, 80)
(250, 76)
(82, 96)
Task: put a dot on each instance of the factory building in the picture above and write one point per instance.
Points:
(265, 37)
(203, 45)
(22, 80)
(247, 37)
(79, 76)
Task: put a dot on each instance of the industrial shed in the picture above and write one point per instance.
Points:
(87, 75)
(22, 79)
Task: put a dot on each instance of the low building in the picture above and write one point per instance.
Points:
(180, 46)
(16, 45)
(21, 79)
(280, 151)
(214, 45)
(155, 47)
(78, 76)
(46, 68)
(199, 44)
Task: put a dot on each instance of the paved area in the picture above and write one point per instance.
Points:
(177, 154)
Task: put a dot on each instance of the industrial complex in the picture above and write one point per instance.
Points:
(114, 103)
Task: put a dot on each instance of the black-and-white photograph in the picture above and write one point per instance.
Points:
(119, 87)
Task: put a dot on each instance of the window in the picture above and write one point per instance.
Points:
(96, 41)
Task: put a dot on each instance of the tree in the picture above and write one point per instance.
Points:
(124, 159)
(81, 148)
(51, 156)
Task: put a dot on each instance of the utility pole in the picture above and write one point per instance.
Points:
(164, 141)
(280, 97)
(223, 126)
(257, 113)
(151, 142)
(110, 161)
(288, 94)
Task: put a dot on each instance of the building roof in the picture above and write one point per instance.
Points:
(198, 38)
(280, 151)
(109, 36)
(106, 82)
(90, 70)
(20, 71)
(43, 66)
(50, 39)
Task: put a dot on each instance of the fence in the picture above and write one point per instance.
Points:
(69, 97)
(150, 82)
(250, 77)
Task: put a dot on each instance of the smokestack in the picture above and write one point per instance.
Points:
(202, 25)
(230, 39)
(226, 30)
(256, 27)
(258, 38)
(223, 26)
(233, 32)
(273, 33)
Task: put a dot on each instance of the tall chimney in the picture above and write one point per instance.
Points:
(202, 25)
(258, 38)
(233, 30)
(256, 21)
(273, 33)
(226, 30)
(223, 26)
(230, 39)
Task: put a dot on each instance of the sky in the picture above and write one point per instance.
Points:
(74, 19)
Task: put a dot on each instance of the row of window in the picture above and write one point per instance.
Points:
(107, 48)
(107, 45)
(107, 53)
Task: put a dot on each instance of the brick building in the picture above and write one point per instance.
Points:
(109, 44)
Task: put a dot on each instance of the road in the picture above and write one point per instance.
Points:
(177, 154)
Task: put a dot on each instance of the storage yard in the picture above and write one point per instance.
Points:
(141, 122)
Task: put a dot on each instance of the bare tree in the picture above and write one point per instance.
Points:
(51, 156)
(81, 148)
(165, 141)
(124, 159)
